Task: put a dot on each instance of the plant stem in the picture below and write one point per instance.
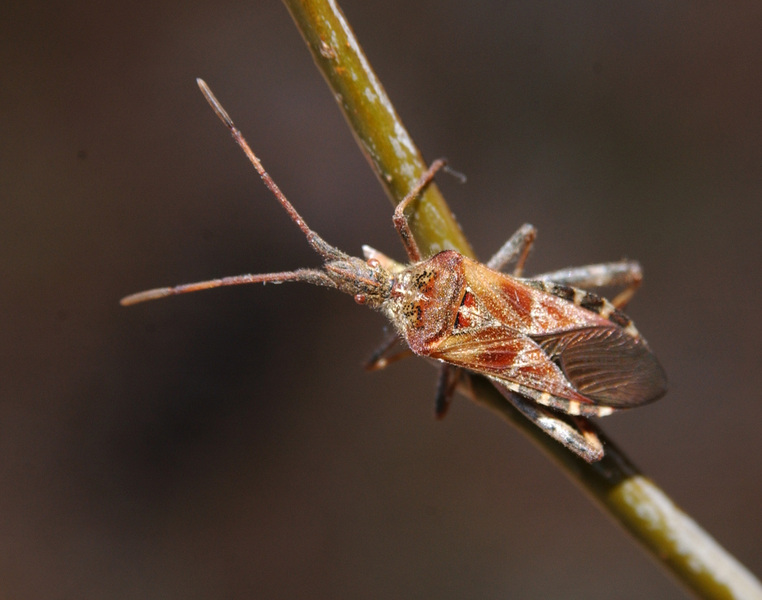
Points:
(379, 131)
(638, 505)
(634, 501)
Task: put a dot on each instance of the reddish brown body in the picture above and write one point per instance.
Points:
(523, 336)
(537, 339)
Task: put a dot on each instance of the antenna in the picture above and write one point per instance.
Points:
(321, 246)
(314, 276)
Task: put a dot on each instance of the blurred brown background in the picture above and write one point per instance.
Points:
(228, 444)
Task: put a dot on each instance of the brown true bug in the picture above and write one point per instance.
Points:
(557, 353)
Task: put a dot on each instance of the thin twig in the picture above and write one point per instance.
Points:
(379, 131)
(674, 540)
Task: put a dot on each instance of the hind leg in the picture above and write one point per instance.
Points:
(516, 248)
(579, 437)
(625, 273)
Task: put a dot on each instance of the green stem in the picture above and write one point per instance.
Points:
(379, 131)
(631, 499)
(638, 505)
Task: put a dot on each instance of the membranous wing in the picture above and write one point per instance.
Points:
(606, 365)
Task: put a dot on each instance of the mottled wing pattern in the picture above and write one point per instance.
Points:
(507, 355)
(531, 338)
(524, 307)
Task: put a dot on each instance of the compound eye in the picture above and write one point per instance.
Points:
(373, 263)
(361, 298)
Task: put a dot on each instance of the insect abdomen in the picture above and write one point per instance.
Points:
(588, 301)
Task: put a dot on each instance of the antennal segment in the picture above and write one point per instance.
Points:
(319, 244)
(309, 275)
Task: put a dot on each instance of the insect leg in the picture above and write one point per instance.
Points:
(581, 440)
(449, 376)
(383, 355)
(586, 428)
(400, 220)
(516, 248)
(626, 273)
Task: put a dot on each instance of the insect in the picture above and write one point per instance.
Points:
(557, 353)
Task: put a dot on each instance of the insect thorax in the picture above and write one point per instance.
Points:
(424, 299)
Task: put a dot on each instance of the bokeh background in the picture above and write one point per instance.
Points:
(228, 444)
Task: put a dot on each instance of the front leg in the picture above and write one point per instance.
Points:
(449, 378)
(387, 353)
(400, 220)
